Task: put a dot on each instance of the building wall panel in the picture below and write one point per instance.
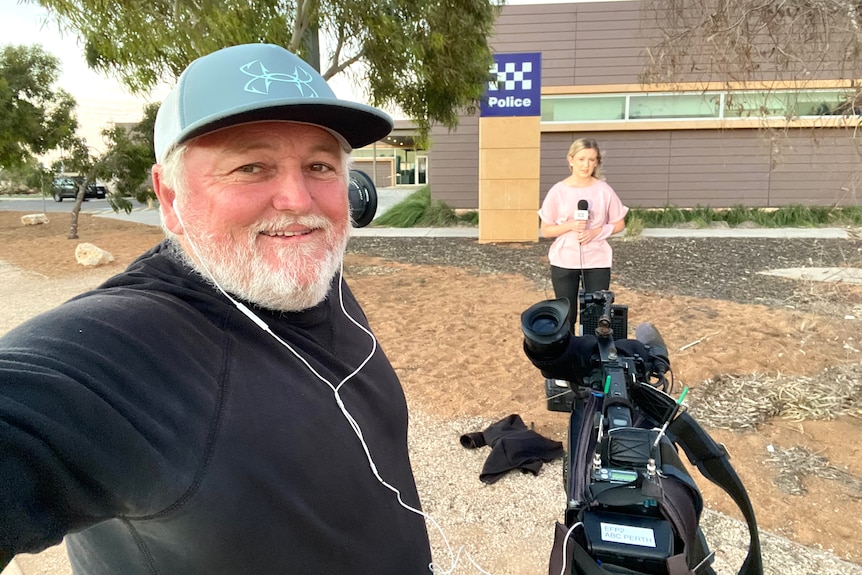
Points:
(816, 168)
(603, 43)
(704, 168)
(453, 163)
(381, 171)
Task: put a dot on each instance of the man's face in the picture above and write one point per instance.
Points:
(265, 209)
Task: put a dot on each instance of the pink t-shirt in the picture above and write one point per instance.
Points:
(560, 206)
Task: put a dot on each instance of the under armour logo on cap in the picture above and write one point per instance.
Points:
(261, 79)
(258, 83)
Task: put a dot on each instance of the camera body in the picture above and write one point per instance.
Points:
(632, 507)
(615, 451)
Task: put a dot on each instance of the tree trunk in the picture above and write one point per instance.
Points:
(311, 42)
(76, 209)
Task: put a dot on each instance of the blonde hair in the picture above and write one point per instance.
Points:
(588, 144)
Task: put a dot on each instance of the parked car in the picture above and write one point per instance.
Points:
(63, 188)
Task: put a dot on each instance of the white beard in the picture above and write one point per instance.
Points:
(299, 280)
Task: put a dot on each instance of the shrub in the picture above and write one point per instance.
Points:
(791, 216)
(407, 213)
(418, 210)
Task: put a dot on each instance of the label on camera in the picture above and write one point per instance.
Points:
(628, 535)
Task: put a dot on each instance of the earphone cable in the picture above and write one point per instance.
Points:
(354, 425)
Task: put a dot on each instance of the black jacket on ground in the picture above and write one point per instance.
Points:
(513, 446)
(169, 434)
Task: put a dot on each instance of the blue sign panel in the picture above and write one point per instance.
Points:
(516, 89)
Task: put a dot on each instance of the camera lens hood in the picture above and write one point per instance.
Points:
(362, 196)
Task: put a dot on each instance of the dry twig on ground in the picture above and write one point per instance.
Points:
(742, 402)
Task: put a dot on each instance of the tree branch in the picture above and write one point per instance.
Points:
(335, 68)
(301, 21)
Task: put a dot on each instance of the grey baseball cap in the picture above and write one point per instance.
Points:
(255, 83)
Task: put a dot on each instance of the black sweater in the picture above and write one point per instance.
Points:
(167, 433)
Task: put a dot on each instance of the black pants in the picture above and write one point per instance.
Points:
(567, 282)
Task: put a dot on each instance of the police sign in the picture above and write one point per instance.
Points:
(516, 86)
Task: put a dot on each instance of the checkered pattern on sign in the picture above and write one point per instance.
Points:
(510, 77)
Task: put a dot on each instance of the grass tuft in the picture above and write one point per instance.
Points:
(418, 210)
(792, 216)
(408, 212)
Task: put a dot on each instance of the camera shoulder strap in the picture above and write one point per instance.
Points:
(713, 461)
(710, 458)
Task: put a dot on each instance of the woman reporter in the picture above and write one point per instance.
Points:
(581, 212)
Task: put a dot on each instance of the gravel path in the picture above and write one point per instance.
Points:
(716, 268)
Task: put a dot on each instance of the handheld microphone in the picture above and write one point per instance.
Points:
(582, 214)
(583, 211)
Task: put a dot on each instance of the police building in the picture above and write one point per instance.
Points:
(569, 70)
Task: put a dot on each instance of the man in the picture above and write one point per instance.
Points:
(209, 409)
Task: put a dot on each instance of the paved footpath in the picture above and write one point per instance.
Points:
(151, 217)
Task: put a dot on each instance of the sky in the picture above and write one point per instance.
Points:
(102, 101)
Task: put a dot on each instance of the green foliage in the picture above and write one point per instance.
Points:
(438, 215)
(408, 212)
(27, 178)
(738, 214)
(430, 59)
(145, 42)
(418, 211)
(128, 161)
(664, 218)
(634, 225)
(469, 218)
(792, 216)
(37, 117)
(851, 217)
(38, 178)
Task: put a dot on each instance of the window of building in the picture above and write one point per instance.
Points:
(407, 170)
(716, 105)
(583, 108)
(673, 106)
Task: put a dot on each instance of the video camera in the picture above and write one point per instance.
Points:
(618, 457)
(631, 505)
